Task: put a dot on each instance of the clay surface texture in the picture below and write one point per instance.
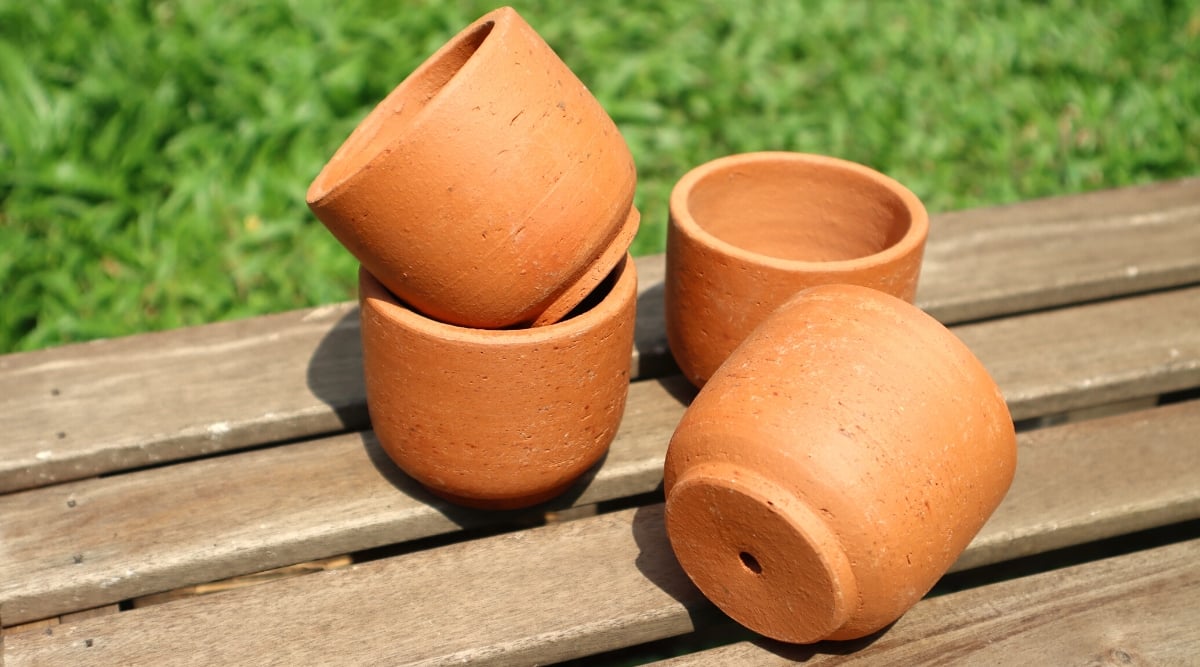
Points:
(836, 466)
(489, 189)
(498, 419)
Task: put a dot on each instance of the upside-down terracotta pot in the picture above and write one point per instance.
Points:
(836, 466)
(489, 189)
(498, 419)
(748, 231)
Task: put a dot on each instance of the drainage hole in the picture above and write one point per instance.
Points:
(750, 562)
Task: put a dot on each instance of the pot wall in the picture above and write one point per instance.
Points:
(487, 186)
(748, 231)
(497, 418)
(836, 466)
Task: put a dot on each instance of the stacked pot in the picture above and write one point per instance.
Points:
(489, 200)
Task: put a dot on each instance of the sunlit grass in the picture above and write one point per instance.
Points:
(154, 156)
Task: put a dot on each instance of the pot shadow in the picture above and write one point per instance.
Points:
(679, 388)
(807, 652)
(650, 335)
(656, 561)
(469, 517)
(335, 373)
(335, 376)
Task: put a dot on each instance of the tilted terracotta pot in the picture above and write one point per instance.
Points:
(836, 466)
(489, 189)
(748, 231)
(498, 419)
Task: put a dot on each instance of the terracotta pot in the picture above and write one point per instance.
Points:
(748, 231)
(498, 419)
(836, 466)
(489, 189)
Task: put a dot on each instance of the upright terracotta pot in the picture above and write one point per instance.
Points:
(836, 466)
(497, 419)
(748, 231)
(489, 189)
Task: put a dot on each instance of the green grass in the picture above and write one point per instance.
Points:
(154, 155)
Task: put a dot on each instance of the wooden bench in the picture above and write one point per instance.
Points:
(140, 473)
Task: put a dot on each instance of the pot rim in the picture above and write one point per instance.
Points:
(911, 242)
(577, 290)
(342, 170)
(373, 295)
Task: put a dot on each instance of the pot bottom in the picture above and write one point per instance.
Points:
(760, 554)
(507, 503)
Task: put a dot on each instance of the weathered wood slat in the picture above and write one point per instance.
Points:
(87, 543)
(225, 516)
(605, 582)
(1135, 609)
(1089, 480)
(82, 410)
(1095, 354)
(1049, 252)
(73, 617)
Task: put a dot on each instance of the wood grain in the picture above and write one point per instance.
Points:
(1049, 252)
(225, 516)
(1096, 354)
(601, 583)
(254, 579)
(1135, 609)
(87, 543)
(82, 410)
(1090, 480)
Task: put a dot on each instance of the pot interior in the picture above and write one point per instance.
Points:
(370, 287)
(391, 117)
(795, 210)
(600, 293)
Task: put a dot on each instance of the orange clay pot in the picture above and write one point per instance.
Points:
(498, 419)
(489, 189)
(835, 466)
(748, 231)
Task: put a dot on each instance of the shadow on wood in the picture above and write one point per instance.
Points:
(335, 373)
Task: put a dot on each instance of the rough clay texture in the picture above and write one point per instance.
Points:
(574, 294)
(748, 231)
(488, 186)
(497, 419)
(836, 466)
